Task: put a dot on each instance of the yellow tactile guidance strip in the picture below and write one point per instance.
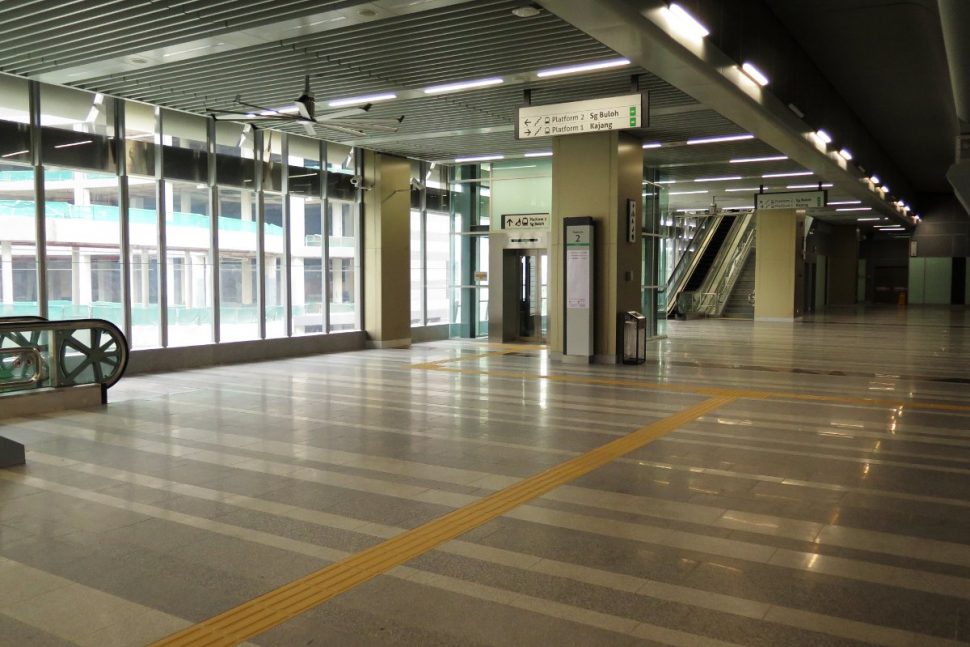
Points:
(277, 606)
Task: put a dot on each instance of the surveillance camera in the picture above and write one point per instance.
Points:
(357, 180)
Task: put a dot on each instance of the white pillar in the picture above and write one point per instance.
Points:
(81, 267)
(6, 270)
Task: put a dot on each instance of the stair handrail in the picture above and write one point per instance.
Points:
(111, 353)
(734, 266)
(688, 260)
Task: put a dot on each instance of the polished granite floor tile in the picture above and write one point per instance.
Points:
(781, 521)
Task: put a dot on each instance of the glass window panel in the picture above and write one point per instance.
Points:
(437, 240)
(342, 220)
(184, 130)
(143, 232)
(238, 311)
(417, 270)
(305, 181)
(272, 161)
(76, 110)
(18, 242)
(273, 264)
(14, 120)
(308, 268)
(185, 164)
(341, 158)
(83, 245)
(140, 121)
(188, 275)
(303, 151)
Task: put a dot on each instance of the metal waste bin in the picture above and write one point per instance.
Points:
(634, 338)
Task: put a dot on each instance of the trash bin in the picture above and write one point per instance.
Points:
(634, 338)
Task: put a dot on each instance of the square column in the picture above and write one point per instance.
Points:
(595, 175)
(779, 265)
(387, 249)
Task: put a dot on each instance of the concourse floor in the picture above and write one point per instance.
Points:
(750, 484)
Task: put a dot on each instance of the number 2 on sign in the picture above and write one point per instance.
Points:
(578, 236)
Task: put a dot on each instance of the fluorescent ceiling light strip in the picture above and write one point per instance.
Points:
(875, 180)
(686, 192)
(463, 85)
(825, 185)
(891, 228)
(727, 178)
(686, 24)
(80, 143)
(823, 136)
(868, 219)
(582, 67)
(479, 158)
(539, 154)
(718, 139)
(653, 145)
(754, 74)
(847, 202)
(15, 153)
(855, 209)
(367, 98)
(666, 181)
(770, 158)
(791, 174)
(845, 154)
(744, 189)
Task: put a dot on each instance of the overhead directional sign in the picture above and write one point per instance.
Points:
(790, 200)
(575, 117)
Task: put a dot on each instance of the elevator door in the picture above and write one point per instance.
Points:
(533, 319)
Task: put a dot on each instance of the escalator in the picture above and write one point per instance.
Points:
(711, 251)
(709, 247)
(40, 358)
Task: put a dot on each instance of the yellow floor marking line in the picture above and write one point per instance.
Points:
(711, 391)
(273, 608)
(499, 350)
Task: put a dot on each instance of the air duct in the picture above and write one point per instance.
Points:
(955, 21)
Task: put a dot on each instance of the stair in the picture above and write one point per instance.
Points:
(737, 305)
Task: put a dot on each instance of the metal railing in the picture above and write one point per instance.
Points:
(63, 353)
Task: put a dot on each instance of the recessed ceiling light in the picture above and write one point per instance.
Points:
(875, 180)
(684, 23)
(527, 11)
(463, 85)
(582, 67)
(719, 138)
(770, 158)
(791, 174)
(822, 136)
(354, 101)
(479, 158)
(754, 74)
(845, 154)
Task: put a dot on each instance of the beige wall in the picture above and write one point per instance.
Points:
(776, 273)
(843, 266)
(387, 241)
(594, 175)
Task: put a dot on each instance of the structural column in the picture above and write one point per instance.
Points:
(779, 265)
(843, 266)
(596, 175)
(387, 234)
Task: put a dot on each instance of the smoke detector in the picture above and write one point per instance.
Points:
(527, 11)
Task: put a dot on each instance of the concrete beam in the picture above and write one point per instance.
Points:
(707, 74)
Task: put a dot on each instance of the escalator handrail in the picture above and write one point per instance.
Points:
(43, 325)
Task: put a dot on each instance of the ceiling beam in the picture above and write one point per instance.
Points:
(707, 74)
